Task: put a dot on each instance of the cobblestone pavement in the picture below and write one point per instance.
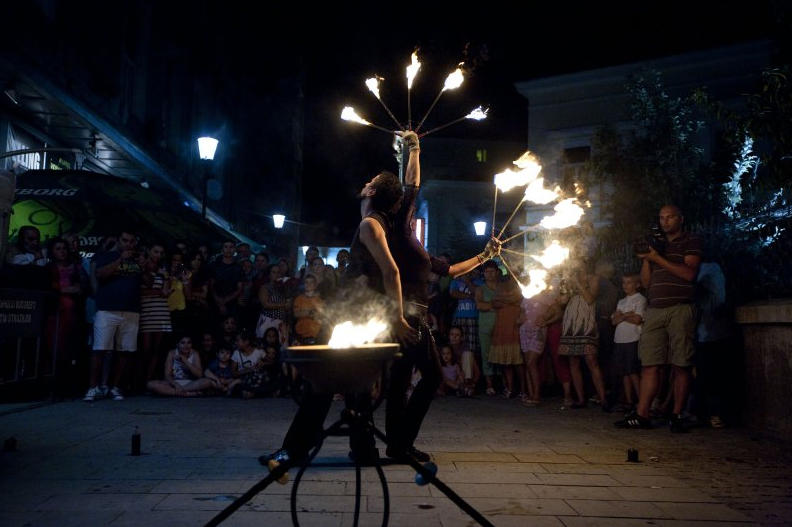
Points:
(518, 466)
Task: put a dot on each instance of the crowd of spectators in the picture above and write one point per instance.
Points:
(202, 323)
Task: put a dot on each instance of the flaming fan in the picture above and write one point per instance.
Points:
(453, 81)
(567, 212)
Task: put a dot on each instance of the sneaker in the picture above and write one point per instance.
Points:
(92, 394)
(677, 424)
(115, 393)
(634, 422)
(403, 455)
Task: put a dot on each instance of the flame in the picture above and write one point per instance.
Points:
(373, 85)
(478, 114)
(536, 193)
(567, 213)
(412, 69)
(454, 79)
(529, 169)
(349, 335)
(553, 255)
(528, 159)
(537, 285)
(348, 114)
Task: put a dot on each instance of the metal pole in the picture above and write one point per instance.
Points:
(205, 188)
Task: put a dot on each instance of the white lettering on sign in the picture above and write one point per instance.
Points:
(30, 305)
(47, 191)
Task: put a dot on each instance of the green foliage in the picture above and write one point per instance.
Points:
(738, 199)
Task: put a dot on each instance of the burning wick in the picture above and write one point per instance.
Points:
(477, 115)
(349, 114)
(412, 71)
(349, 335)
(373, 85)
(452, 82)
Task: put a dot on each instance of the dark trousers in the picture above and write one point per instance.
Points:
(403, 418)
(307, 426)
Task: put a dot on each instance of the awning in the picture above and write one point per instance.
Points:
(94, 205)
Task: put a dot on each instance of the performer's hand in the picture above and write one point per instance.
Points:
(405, 334)
(492, 249)
(410, 139)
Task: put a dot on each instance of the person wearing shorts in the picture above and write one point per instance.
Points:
(118, 313)
(669, 322)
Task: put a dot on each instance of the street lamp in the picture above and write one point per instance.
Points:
(207, 146)
(277, 220)
(480, 227)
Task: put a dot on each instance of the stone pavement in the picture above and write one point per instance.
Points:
(518, 466)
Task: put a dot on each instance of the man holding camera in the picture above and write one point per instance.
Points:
(669, 275)
(117, 313)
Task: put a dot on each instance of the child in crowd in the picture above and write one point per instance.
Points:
(229, 335)
(248, 363)
(306, 312)
(183, 373)
(532, 342)
(628, 318)
(465, 358)
(221, 372)
(453, 378)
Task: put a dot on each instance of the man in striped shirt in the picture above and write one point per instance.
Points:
(669, 321)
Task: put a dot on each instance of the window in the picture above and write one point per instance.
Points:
(481, 155)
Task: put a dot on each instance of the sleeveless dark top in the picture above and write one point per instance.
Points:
(361, 262)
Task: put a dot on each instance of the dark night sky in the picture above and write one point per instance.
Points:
(506, 45)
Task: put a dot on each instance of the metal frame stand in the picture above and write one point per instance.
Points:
(351, 422)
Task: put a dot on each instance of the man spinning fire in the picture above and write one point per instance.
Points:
(386, 260)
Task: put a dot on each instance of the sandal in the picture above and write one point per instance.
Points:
(716, 422)
(530, 403)
(506, 394)
(566, 404)
(490, 391)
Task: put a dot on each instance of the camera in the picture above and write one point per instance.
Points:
(655, 239)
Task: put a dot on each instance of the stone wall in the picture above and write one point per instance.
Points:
(767, 335)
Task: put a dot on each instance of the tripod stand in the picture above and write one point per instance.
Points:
(361, 424)
(349, 371)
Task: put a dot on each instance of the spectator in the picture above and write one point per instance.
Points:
(180, 290)
(579, 336)
(221, 372)
(505, 347)
(27, 250)
(155, 319)
(465, 358)
(453, 378)
(208, 348)
(70, 281)
(311, 253)
(306, 312)
(248, 363)
(197, 294)
(485, 294)
(243, 252)
(229, 332)
(275, 306)
(118, 312)
(532, 343)
(246, 312)
(342, 259)
(225, 282)
(669, 322)
(463, 291)
(713, 336)
(628, 318)
(183, 373)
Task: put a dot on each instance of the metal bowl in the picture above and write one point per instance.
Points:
(342, 370)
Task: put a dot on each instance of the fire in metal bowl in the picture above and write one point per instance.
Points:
(342, 370)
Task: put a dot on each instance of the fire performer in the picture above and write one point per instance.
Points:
(372, 277)
(403, 419)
